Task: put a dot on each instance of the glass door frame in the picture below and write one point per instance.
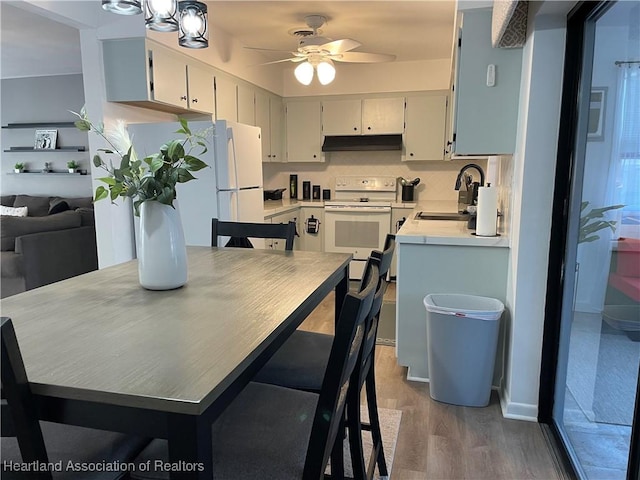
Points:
(568, 180)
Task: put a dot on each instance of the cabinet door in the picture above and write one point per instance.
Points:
(426, 126)
(342, 117)
(312, 242)
(263, 121)
(382, 115)
(304, 139)
(276, 120)
(398, 216)
(486, 117)
(169, 78)
(226, 105)
(246, 106)
(279, 243)
(200, 88)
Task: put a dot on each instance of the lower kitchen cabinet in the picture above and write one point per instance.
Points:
(312, 242)
(398, 216)
(433, 268)
(286, 217)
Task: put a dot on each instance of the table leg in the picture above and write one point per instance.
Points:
(341, 290)
(190, 450)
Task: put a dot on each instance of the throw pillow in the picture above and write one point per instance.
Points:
(58, 207)
(13, 211)
(38, 206)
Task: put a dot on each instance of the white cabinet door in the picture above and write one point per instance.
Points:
(312, 242)
(292, 216)
(342, 117)
(276, 121)
(169, 77)
(263, 121)
(425, 131)
(246, 105)
(382, 115)
(200, 81)
(304, 139)
(226, 104)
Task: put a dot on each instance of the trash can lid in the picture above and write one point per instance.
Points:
(460, 305)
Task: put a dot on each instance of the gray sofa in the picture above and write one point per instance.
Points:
(55, 241)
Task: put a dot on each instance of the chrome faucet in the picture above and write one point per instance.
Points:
(469, 197)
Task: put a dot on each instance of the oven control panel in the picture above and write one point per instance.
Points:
(357, 183)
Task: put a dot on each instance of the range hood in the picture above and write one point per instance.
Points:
(341, 143)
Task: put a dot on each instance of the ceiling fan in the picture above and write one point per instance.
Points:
(318, 52)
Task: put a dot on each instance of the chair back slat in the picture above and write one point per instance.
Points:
(350, 333)
(245, 230)
(19, 399)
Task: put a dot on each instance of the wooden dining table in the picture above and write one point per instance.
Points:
(101, 351)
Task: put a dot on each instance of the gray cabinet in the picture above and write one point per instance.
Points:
(485, 117)
(142, 72)
(286, 217)
(426, 118)
(304, 125)
(312, 242)
(369, 116)
(270, 117)
(398, 217)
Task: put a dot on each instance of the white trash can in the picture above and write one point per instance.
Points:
(462, 333)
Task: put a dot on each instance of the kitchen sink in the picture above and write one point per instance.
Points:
(442, 216)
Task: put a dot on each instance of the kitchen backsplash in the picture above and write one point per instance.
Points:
(437, 179)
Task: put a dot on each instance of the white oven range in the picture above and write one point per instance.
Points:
(359, 218)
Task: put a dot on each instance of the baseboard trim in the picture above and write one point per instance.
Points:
(517, 411)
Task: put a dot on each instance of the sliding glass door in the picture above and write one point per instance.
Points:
(597, 296)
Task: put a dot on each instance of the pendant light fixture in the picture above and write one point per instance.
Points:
(326, 71)
(304, 73)
(188, 17)
(161, 15)
(123, 7)
(194, 32)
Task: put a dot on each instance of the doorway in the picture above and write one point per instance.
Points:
(592, 326)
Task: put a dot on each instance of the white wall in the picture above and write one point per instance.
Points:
(533, 183)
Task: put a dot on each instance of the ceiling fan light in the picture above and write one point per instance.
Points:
(304, 73)
(326, 72)
(194, 31)
(123, 7)
(161, 15)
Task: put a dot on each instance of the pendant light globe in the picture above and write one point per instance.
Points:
(326, 71)
(304, 73)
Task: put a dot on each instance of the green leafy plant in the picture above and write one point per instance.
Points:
(72, 164)
(153, 178)
(19, 166)
(593, 221)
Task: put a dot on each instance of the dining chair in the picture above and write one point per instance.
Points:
(26, 439)
(302, 360)
(239, 232)
(273, 432)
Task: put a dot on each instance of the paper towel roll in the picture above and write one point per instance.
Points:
(487, 211)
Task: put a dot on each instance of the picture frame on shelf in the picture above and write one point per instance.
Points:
(597, 109)
(46, 139)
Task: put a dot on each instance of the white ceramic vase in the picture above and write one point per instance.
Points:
(162, 259)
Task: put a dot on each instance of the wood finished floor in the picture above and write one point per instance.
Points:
(440, 441)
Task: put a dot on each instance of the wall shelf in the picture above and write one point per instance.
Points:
(41, 125)
(49, 174)
(78, 148)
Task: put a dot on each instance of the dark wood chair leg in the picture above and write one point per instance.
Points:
(374, 421)
(354, 427)
(337, 458)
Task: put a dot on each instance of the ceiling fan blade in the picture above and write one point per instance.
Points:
(267, 49)
(361, 57)
(339, 46)
(294, 59)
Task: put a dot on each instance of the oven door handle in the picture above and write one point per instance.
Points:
(337, 209)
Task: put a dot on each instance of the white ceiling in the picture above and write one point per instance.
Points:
(412, 30)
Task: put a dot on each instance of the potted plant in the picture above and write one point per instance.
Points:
(18, 167)
(151, 184)
(72, 165)
(592, 221)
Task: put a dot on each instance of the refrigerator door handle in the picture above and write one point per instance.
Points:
(232, 141)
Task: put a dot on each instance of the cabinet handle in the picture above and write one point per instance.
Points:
(273, 156)
(314, 155)
(355, 129)
(411, 154)
(183, 97)
(195, 100)
(368, 128)
(268, 156)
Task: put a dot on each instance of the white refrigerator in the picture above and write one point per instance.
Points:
(230, 188)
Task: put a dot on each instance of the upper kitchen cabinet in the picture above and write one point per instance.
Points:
(369, 116)
(270, 118)
(226, 98)
(486, 89)
(424, 137)
(246, 105)
(304, 138)
(141, 72)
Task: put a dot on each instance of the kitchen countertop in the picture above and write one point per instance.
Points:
(275, 207)
(443, 232)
